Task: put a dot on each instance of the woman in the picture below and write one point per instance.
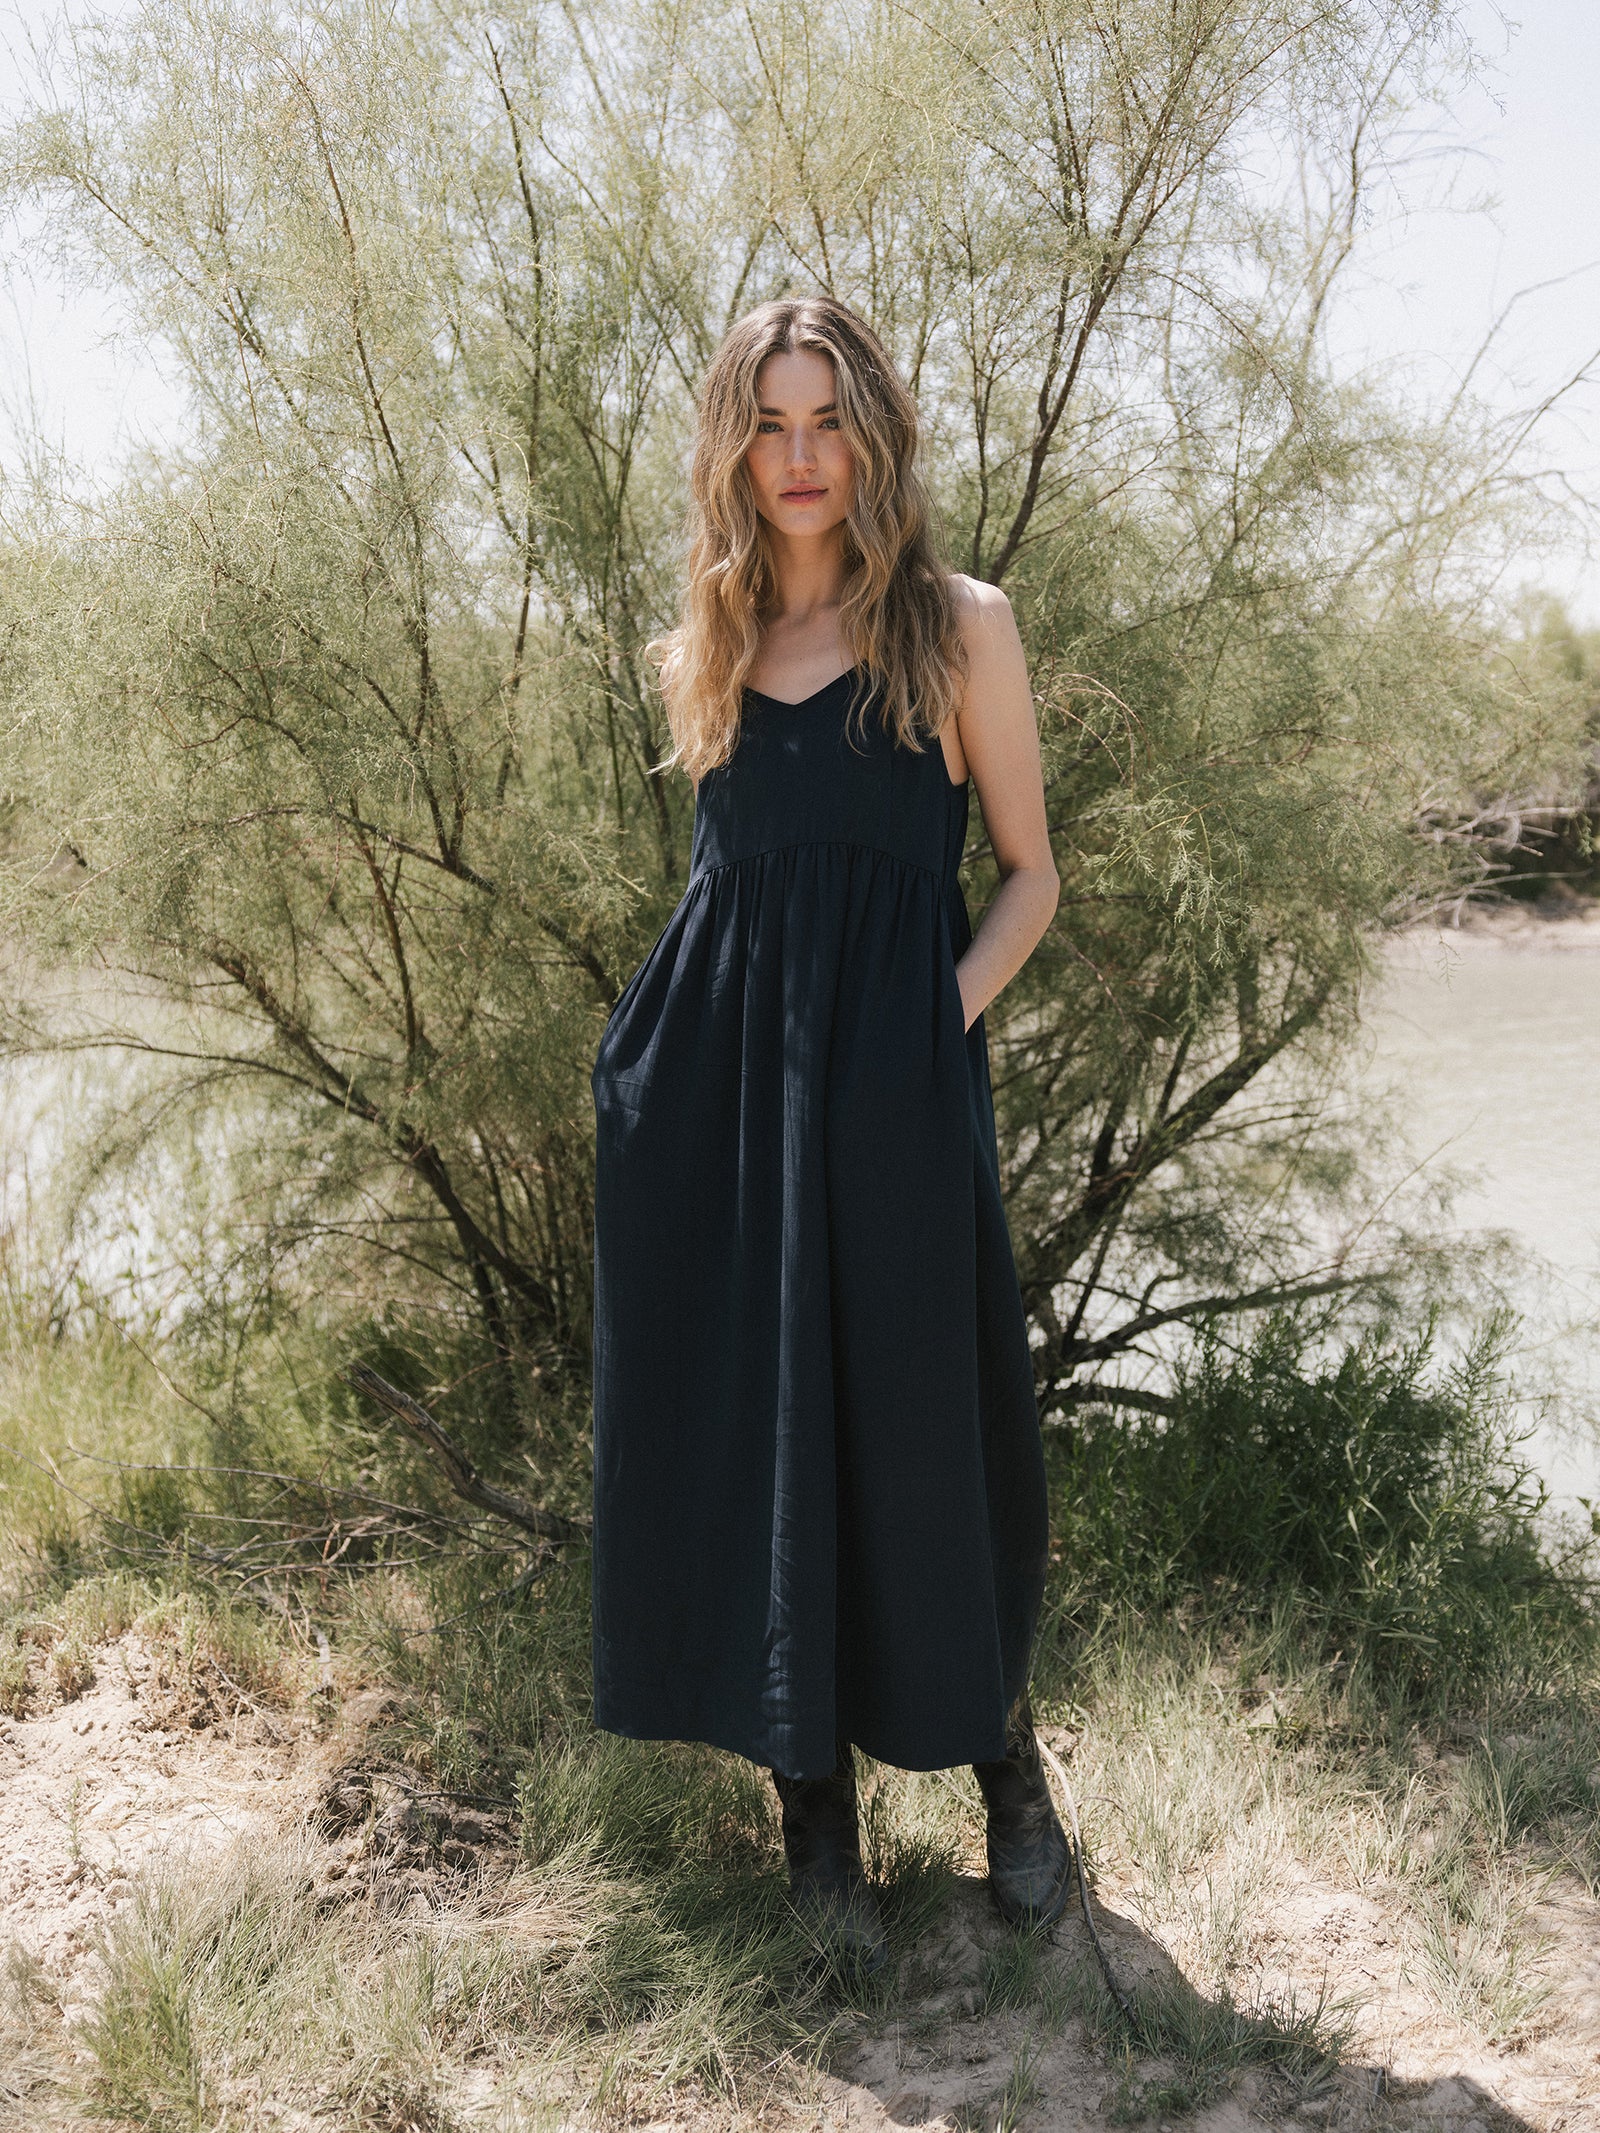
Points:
(820, 1510)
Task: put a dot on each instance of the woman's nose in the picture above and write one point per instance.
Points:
(802, 448)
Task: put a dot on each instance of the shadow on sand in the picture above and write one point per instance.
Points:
(995, 2032)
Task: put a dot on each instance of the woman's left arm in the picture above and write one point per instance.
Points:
(999, 738)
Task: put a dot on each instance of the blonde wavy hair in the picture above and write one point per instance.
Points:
(898, 616)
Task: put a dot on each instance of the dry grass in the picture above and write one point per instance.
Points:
(617, 1943)
(1295, 1846)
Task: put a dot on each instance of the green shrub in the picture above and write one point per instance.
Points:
(1387, 1488)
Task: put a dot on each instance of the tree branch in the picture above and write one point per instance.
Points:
(458, 1467)
(1203, 1307)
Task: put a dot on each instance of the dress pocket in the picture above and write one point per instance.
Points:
(953, 1014)
(616, 1022)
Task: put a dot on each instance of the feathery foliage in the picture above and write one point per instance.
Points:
(328, 735)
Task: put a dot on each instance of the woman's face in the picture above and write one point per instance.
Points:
(800, 465)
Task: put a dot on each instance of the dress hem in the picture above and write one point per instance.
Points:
(989, 1751)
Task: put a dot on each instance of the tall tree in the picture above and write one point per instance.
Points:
(331, 733)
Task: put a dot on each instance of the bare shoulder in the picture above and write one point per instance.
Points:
(998, 728)
(997, 669)
(990, 637)
(982, 610)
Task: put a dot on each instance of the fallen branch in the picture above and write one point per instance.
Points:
(459, 1469)
(1094, 1395)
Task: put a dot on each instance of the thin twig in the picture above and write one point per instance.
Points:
(266, 1473)
(1124, 2004)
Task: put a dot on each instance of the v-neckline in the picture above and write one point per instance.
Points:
(798, 703)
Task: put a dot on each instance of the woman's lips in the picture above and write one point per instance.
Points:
(800, 496)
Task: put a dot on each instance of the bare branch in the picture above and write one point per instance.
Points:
(458, 1467)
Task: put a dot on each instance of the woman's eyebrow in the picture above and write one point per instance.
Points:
(832, 408)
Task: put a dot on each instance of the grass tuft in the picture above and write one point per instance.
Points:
(1200, 2043)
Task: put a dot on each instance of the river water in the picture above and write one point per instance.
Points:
(1491, 1042)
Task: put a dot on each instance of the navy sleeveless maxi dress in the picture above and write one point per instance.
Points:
(819, 1494)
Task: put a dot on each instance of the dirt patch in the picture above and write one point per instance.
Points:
(126, 1769)
(402, 1845)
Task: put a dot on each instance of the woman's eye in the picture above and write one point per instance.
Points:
(765, 429)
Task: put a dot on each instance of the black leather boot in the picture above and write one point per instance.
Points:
(822, 1842)
(1030, 1860)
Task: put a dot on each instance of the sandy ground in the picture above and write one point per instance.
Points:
(126, 1773)
(1411, 2069)
(95, 1789)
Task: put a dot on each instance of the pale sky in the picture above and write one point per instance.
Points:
(1526, 218)
(1431, 284)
